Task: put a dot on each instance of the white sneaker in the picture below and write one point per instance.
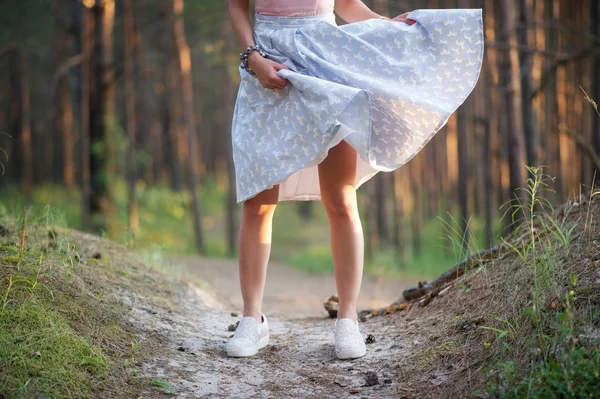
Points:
(249, 337)
(349, 343)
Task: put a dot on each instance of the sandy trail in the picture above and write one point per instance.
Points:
(299, 362)
(289, 293)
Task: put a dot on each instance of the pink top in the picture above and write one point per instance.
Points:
(293, 8)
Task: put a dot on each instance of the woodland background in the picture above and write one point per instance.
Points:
(115, 118)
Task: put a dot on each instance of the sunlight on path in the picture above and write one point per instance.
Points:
(289, 292)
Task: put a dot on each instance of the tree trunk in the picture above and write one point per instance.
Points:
(87, 29)
(64, 126)
(509, 77)
(416, 184)
(62, 119)
(381, 209)
(398, 212)
(372, 238)
(185, 75)
(26, 154)
(227, 150)
(463, 172)
(102, 111)
(530, 126)
(171, 103)
(595, 75)
(129, 78)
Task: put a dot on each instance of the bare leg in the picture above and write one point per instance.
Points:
(336, 179)
(255, 248)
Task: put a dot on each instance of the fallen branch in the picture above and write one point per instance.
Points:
(457, 271)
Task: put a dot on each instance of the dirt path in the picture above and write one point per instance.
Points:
(289, 293)
(299, 362)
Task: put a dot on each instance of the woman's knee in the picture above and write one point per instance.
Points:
(341, 203)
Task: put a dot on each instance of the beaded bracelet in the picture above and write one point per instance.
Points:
(244, 57)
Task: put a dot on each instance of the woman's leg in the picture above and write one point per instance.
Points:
(255, 248)
(336, 179)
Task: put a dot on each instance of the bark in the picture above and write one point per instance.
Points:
(171, 104)
(102, 113)
(530, 127)
(488, 160)
(65, 129)
(381, 209)
(130, 116)
(227, 150)
(463, 173)
(26, 154)
(87, 29)
(185, 75)
(563, 109)
(372, 239)
(509, 77)
(416, 184)
(595, 78)
(62, 157)
(586, 147)
(489, 185)
(398, 213)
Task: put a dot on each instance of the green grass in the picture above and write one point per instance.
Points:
(40, 354)
(546, 343)
(62, 333)
(304, 244)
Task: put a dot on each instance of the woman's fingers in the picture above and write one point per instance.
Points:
(278, 82)
(275, 82)
(272, 80)
(403, 18)
(279, 67)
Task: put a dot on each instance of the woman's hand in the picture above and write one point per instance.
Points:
(402, 18)
(266, 71)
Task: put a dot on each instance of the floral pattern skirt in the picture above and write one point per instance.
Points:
(384, 87)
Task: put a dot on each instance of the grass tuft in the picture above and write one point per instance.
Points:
(63, 333)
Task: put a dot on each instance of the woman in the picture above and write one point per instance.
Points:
(321, 109)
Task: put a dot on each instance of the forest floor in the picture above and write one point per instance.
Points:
(300, 360)
(157, 328)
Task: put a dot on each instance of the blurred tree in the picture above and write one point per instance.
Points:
(398, 216)
(86, 25)
(510, 71)
(595, 76)
(185, 80)
(526, 38)
(130, 114)
(21, 91)
(102, 115)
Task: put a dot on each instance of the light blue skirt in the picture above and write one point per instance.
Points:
(384, 87)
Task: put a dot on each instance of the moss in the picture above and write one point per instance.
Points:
(11, 260)
(9, 249)
(41, 354)
(62, 332)
(429, 356)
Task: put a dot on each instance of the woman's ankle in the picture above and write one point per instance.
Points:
(257, 314)
(347, 314)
